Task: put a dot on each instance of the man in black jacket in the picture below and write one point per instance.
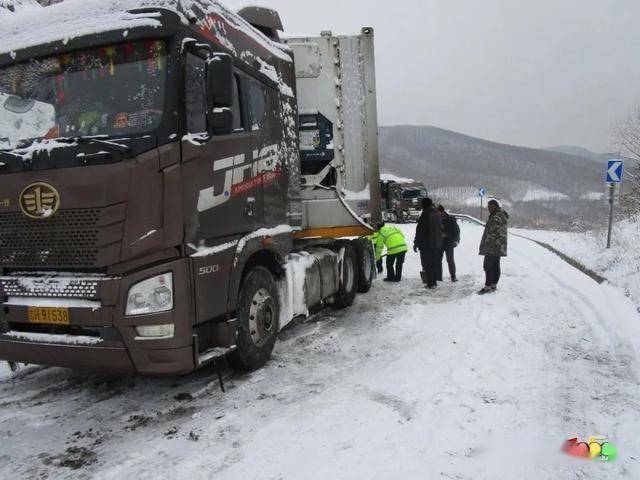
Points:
(450, 240)
(429, 241)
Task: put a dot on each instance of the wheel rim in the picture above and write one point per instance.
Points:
(262, 318)
(347, 274)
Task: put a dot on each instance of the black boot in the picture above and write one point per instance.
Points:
(398, 276)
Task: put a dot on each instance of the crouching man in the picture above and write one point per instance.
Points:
(392, 239)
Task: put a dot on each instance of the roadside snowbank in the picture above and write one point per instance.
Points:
(620, 265)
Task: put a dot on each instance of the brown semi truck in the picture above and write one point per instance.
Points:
(174, 182)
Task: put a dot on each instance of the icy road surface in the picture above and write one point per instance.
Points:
(405, 384)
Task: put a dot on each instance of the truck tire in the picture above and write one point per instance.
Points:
(258, 320)
(366, 264)
(349, 280)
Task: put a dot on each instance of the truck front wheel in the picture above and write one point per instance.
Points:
(258, 315)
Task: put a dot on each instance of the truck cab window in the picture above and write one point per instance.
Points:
(196, 102)
(238, 124)
(257, 105)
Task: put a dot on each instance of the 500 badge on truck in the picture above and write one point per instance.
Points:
(264, 169)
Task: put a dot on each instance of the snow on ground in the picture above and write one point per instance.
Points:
(620, 265)
(407, 383)
(540, 194)
(595, 196)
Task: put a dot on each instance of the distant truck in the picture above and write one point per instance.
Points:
(401, 199)
(174, 187)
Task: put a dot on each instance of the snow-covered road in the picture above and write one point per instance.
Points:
(407, 383)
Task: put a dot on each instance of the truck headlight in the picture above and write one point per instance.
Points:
(152, 295)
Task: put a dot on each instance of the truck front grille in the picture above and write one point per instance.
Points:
(80, 238)
(80, 218)
(52, 287)
(48, 239)
(48, 258)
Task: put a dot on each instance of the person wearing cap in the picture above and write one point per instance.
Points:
(391, 238)
(494, 245)
(429, 241)
(450, 240)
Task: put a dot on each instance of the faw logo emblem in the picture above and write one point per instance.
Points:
(39, 200)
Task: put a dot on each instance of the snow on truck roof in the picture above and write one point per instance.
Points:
(76, 18)
(388, 177)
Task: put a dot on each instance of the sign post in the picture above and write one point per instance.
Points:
(615, 169)
(482, 193)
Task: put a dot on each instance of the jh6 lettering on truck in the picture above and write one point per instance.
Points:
(264, 169)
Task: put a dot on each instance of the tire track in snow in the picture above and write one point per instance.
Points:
(581, 391)
(581, 303)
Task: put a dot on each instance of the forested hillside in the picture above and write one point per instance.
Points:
(541, 187)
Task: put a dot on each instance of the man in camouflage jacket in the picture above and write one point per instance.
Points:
(494, 245)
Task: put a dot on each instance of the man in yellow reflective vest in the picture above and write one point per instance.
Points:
(391, 238)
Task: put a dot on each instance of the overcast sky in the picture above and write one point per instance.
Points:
(529, 72)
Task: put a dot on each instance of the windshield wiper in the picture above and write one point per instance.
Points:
(117, 147)
(10, 154)
(102, 141)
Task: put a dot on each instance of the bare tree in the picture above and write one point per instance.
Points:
(628, 137)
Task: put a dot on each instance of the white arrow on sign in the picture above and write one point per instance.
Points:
(614, 172)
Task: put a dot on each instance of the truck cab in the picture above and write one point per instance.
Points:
(401, 199)
(150, 188)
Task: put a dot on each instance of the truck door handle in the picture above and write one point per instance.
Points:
(250, 207)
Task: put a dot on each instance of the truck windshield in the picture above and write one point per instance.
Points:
(410, 194)
(113, 90)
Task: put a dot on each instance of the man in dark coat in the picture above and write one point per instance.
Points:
(429, 241)
(450, 240)
(494, 245)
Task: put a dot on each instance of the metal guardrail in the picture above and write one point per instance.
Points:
(468, 218)
(571, 261)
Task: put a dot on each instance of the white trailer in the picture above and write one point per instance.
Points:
(336, 91)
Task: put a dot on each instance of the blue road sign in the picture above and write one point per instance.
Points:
(482, 192)
(614, 171)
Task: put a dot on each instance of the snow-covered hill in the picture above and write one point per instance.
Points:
(546, 188)
(407, 383)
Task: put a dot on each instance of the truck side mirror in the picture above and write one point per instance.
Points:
(220, 94)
